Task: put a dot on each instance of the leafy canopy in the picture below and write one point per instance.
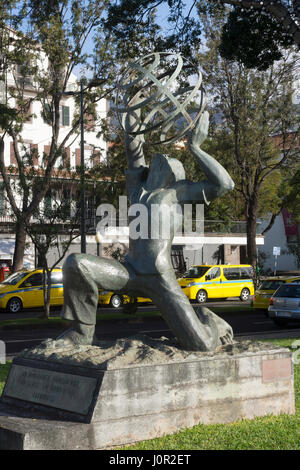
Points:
(254, 38)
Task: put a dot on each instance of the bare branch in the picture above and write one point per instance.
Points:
(271, 222)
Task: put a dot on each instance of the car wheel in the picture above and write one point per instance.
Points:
(201, 296)
(116, 301)
(280, 321)
(245, 294)
(14, 305)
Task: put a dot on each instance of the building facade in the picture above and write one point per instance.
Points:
(281, 238)
(35, 138)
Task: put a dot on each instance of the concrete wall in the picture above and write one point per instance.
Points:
(277, 237)
(139, 400)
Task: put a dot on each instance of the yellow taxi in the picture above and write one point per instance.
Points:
(24, 289)
(218, 281)
(269, 285)
(117, 300)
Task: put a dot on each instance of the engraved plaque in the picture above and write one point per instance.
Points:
(56, 389)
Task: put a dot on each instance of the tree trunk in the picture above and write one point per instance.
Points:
(48, 293)
(46, 288)
(20, 243)
(251, 238)
(251, 241)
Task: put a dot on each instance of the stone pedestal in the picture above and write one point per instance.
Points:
(137, 389)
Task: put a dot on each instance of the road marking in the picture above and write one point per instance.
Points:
(270, 332)
(25, 340)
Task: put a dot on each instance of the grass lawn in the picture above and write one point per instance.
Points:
(4, 369)
(267, 433)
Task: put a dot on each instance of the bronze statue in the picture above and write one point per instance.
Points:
(147, 270)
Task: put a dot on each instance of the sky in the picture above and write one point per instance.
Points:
(162, 15)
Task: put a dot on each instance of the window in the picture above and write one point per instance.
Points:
(14, 278)
(213, 273)
(65, 115)
(231, 273)
(47, 114)
(177, 259)
(196, 271)
(238, 273)
(246, 273)
(292, 239)
(288, 290)
(34, 280)
(270, 285)
(88, 158)
(23, 75)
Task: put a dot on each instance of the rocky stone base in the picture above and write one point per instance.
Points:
(97, 397)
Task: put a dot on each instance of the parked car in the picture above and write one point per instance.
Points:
(117, 300)
(24, 289)
(261, 300)
(285, 304)
(218, 281)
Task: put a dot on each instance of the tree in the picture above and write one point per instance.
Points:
(53, 228)
(255, 33)
(125, 16)
(250, 107)
(254, 38)
(291, 194)
(58, 32)
(284, 13)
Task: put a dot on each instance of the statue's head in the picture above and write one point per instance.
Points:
(164, 172)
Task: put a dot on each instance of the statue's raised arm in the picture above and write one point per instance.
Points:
(134, 143)
(218, 180)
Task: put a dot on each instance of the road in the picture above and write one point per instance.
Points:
(246, 324)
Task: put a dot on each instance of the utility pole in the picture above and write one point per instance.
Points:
(82, 175)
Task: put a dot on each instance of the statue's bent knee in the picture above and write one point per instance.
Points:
(72, 263)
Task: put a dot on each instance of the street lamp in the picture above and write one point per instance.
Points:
(82, 175)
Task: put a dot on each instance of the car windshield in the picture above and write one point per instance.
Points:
(271, 284)
(288, 290)
(196, 271)
(14, 278)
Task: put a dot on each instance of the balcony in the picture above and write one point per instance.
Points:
(212, 232)
(6, 218)
(229, 227)
(208, 227)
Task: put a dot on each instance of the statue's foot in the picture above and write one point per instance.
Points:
(224, 330)
(78, 335)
